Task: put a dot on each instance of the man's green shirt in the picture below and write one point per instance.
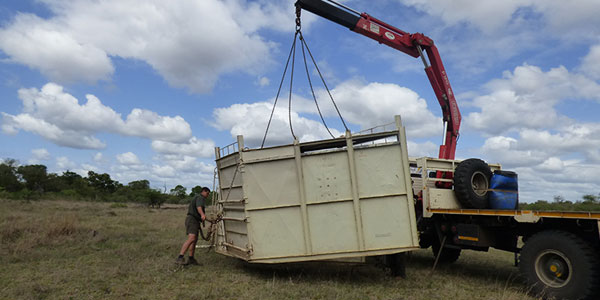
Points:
(197, 201)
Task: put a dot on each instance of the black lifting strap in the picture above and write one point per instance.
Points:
(292, 56)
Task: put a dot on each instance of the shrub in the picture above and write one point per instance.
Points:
(118, 205)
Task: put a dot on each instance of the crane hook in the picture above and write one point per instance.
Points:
(298, 24)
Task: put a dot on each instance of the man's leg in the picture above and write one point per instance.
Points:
(191, 240)
(193, 246)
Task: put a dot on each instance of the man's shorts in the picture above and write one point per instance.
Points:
(191, 225)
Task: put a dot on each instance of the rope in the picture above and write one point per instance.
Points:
(212, 229)
(323, 80)
(311, 86)
(291, 84)
(278, 92)
(292, 56)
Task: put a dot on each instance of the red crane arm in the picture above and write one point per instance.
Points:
(411, 44)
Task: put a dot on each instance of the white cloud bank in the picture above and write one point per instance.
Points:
(373, 104)
(189, 43)
(58, 117)
(591, 62)
(525, 131)
(365, 105)
(128, 159)
(489, 16)
(193, 147)
(250, 120)
(40, 154)
(526, 99)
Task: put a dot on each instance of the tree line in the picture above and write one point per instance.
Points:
(34, 182)
(588, 202)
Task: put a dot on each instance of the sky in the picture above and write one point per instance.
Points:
(147, 89)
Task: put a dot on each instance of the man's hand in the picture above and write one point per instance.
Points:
(203, 217)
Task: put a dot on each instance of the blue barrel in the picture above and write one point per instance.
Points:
(504, 190)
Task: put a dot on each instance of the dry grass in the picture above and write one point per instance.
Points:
(78, 250)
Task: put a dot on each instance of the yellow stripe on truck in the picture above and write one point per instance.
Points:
(468, 238)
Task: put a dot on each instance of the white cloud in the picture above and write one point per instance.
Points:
(263, 81)
(558, 16)
(85, 168)
(69, 138)
(40, 154)
(374, 104)
(63, 163)
(366, 105)
(98, 157)
(525, 98)
(527, 132)
(164, 171)
(193, 147)
(476, 36)
(488, 16)
(569, 17)
(189, 43)
(53, 105)
(47, 46)
(250, 120)
(58, 117)
(145, 123)
(185, 164)
(128, 158)
(554, 166)
(508, 151)
(167, 170)
(591, 62)
(427, 148)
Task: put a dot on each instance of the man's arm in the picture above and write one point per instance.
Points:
(201, 212)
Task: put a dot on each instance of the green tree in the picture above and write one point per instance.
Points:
(139, 185)
(559, 199)
(75, 185)
(155, 198)
(179, 191)
(195, 191)
(35, 177)
(9, 179)
(54, 183)
(72, 180)
(102, 182)
(590, 198)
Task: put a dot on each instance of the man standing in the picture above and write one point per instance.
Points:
(195, 216)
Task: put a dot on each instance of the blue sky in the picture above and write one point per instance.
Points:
(146, 89)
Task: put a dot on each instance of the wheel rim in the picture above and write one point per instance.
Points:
(553, 268)
(480, 183)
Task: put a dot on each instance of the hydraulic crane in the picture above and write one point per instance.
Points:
(412, 44)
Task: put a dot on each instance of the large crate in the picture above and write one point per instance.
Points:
(337, 198)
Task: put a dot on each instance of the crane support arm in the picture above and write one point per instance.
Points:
(411, 44)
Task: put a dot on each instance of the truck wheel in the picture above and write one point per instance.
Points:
(471, 183)
(560, 265)
(449, 255)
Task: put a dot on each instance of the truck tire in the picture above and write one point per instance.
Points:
(560, 265)
(471, 183)
(448, 256)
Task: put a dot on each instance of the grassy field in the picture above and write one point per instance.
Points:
(82, 250)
